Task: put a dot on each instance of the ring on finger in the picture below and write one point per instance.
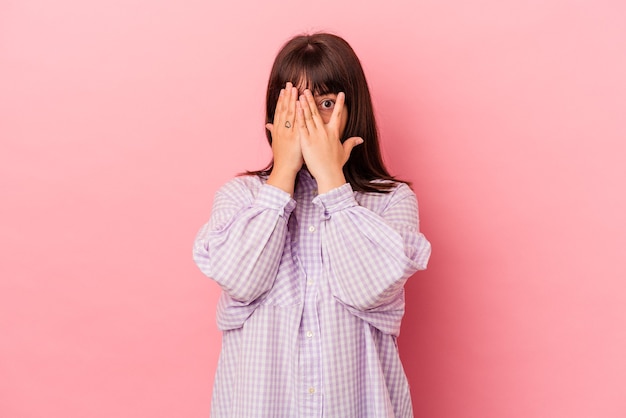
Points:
(287, 124)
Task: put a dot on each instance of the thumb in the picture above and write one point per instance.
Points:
(349, 144)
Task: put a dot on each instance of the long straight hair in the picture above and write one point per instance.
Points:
(326, 64)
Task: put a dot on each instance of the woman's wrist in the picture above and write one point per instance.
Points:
(283, 178)
(329, 182)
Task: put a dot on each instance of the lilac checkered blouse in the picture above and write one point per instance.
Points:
(312, 298)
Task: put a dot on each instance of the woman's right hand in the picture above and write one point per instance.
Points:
(285, 141)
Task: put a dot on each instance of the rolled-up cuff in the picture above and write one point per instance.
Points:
(274, 198)
(337, 199)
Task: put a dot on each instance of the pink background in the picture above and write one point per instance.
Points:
(119, 119)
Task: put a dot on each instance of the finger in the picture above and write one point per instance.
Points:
(279, 106)
(315, 115)
(306, 113)
(300, 121)
(335, 117)
(348, 146)
(291, 105)
(287, 96)
(283, 101)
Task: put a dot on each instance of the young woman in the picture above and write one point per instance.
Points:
(312, 253)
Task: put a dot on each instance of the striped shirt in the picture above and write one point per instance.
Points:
(312, 298)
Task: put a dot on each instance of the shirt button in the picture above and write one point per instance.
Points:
(311, 228)
(310, 282)
(311, 390)
(309, 334)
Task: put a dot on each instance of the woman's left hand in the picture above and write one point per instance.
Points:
(322, 150)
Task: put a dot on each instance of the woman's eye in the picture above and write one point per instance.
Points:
(327, 104)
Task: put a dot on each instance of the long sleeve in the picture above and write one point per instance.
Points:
(241, 245)
(369, 255)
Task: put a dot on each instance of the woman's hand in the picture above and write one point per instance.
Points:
(285, 141)
(322, 150)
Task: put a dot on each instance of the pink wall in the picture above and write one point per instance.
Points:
(119, 119)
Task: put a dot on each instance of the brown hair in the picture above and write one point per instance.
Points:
(327, 64)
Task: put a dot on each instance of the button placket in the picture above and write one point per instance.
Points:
(310, 362)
